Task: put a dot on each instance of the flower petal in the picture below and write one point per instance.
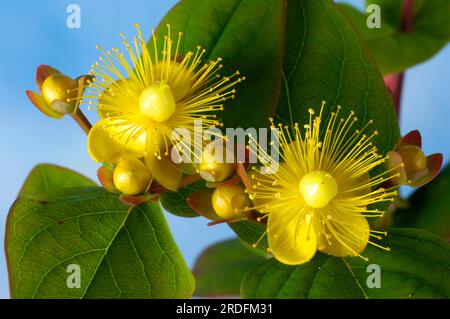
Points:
(105, 176)
(290, 244)
(39, 102)
(104, 148)
(394, 163)
(349, 234)
(43, 71)
(62, 107)
(412, 138)
(107, 97)
(434, 163)
(164, 171)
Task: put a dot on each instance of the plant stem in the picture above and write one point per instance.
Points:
(82, 121)
(394, 82)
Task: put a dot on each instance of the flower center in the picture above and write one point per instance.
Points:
(318, 188)
(157, 102)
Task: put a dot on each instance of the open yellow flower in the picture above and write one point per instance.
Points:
(143, 99)
(321, 193)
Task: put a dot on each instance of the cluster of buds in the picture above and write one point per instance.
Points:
(409, 163)
(139, 180)
(59, 94)
(225, 199)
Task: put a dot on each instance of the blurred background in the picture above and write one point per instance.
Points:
(34, 33)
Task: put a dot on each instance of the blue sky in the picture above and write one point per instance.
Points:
(35, 33)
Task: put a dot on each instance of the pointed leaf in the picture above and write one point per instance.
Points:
(121, 251)
(395, 50)
(47, 178)
(248, 35)
(326, 60)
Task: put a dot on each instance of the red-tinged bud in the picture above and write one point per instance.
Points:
(408, 163)
(58, 94)
(105, 176)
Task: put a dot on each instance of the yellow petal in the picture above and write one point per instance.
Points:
(104, 148)
(164, 171)
(349, 234)
(292, 237)
(108, 97)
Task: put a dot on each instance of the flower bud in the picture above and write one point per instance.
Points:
(58, 94)
(131, 177)
(413, 158)
(214, 169)
(409, 165)
(229, 201)
(59, 87)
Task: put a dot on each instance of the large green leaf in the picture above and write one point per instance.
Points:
(46, 178)
(326, 60)
(417, 266)
(219, 270)
(248, 35)
(122, 251)
(395, 51)
(429, 207)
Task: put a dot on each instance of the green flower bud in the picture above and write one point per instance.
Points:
(131, 177)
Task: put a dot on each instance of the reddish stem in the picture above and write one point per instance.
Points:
(82, 121)
(394, 82)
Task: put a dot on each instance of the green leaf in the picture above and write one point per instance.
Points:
(46, 178)
(429, 207)
(416, 267)
(248, 35)
(326, 60)
(175, 202)
(122, 251)
(219, 270)
(394, 50)
(251, 233)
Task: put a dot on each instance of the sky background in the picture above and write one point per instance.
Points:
(35, 32)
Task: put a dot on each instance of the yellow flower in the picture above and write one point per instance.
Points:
(141, 101)
(321, 193)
